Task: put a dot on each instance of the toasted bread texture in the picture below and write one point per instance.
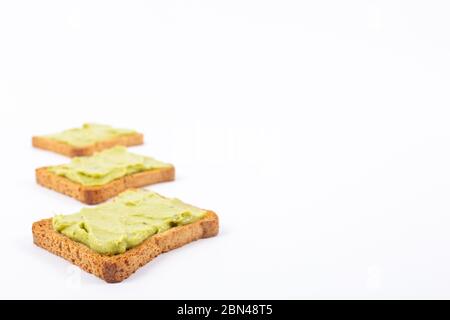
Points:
(71, 151)
(119, 267)
(98, 194)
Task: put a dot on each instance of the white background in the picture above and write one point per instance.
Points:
(317, 130)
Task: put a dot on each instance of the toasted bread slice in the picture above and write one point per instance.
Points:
(98, 194)
(119, 267)
(71, 151)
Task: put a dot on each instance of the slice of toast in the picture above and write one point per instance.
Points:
(119, 267)
(71, 151)
(98, 194)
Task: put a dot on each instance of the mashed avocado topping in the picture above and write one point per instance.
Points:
(89, 134)
(113, 227)
(106, 166)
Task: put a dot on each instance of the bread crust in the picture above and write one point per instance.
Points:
(116, 268)
(71, 151)
(98, 194)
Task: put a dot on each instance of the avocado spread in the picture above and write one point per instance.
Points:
(113, 227)
(106, 166)
(88, 134)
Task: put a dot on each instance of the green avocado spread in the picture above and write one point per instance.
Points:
(133, 216)
(106, 166)
(88, 134)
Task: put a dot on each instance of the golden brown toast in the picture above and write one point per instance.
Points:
(71, 151)
(119, 267)
(98, 194)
